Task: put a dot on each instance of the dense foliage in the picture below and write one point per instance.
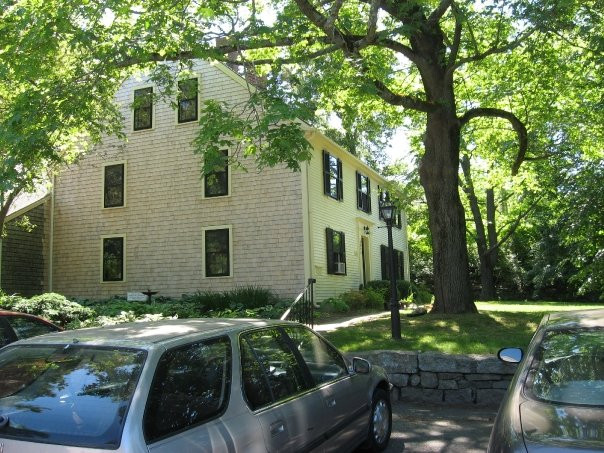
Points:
(244, 302)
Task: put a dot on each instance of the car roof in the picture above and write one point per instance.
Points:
(147, 334)
(578, 318)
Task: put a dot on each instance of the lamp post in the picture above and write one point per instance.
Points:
(388, 213)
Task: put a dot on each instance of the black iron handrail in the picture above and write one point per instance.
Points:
(303, 307)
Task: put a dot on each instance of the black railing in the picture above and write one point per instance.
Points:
(303, 308)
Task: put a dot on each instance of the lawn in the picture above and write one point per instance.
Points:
(498, 324)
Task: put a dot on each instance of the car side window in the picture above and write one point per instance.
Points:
(27, 327)
(6, 334)
(270, 370)
(191, 386)
(324, 362)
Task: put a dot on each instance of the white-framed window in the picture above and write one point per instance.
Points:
(363, 193)
(332, 176)
(218, 182)
(114, 185)
(113, 258)
(188, 100)
(336, 252)
(217, 251)
(142, 109)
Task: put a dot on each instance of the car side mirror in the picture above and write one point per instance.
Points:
(510, 355)
(361, 366)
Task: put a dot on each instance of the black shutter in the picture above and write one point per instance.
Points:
(401, 263)
(329, 235)
(396, 269)
(368, 195)
(340, 184)
(359, 194)
(384, 259)
(326, 178)
(343, 249)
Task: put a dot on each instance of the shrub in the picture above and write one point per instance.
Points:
(51, 306)
(334, 305)
(251, 297)
(408, 291)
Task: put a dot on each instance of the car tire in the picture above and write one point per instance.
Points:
(380, 422)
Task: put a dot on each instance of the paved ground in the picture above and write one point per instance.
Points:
(428, 428)
(422, 428)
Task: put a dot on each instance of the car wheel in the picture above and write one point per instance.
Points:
(380, 423)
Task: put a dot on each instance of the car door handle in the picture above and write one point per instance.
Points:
(277, 428)
(331, 402)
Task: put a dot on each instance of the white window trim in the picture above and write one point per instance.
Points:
(203, 251)
(153, 110)
(109, 164)
(110, 236)
(229, 182)
(181, 79)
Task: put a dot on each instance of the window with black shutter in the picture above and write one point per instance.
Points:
(398, 221)
(336, 252)
(399, 263)
(363, 193)
(187, 100)
(332, 176)
(143, 109)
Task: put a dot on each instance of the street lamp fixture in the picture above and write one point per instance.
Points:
(388, 213)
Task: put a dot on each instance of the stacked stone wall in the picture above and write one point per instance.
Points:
(444, 378)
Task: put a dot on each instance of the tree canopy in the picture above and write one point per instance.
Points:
(447, 67)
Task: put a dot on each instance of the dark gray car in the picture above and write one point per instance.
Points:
(195, 385)
(555, 402)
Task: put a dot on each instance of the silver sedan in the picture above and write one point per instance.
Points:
(199, 385)
(556, 401)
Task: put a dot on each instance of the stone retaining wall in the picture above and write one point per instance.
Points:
(444, 378)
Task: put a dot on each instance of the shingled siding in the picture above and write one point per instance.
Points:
(165, 213)
(22, 255)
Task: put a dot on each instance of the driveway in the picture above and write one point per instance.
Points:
(420, 427)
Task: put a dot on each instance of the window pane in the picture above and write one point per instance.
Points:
(114, 185)
(191, 386)
(25, 327)
(217, 183)
(187, 102)
(333, 177)
(143, 109)
(278, 363)
(217, 253)
(325, 364)
(73, 395)
(569, 367)
(255, 382)
(113, 259)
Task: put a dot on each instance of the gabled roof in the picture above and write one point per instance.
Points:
(26, 202)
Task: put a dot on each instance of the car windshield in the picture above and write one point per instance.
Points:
(569, 367)
(67, 394)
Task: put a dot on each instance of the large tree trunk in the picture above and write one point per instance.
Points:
(440, 180)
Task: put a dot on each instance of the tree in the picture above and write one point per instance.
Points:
(404, 59)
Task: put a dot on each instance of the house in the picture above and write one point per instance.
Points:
(138, 215)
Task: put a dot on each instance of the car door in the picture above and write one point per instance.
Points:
(279, 390)
(188, 398)
(344, 394)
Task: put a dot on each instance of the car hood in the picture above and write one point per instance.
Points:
(556, 428)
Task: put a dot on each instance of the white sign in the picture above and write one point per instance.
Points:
(137, 297)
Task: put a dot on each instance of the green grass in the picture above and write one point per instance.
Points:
(498, 324)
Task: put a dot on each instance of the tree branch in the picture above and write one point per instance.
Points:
(518, 126)
(456, 41)
(408, 102)
(439, 12)
(493, 50)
